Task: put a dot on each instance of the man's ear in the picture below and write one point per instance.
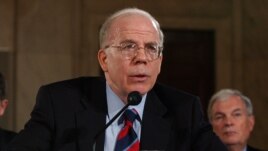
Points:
(160, 59)
(3, 106)
(251, 122)
(102, 57)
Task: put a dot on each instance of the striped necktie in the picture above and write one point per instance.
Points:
(127, 139)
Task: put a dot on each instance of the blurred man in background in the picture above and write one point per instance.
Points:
(231, 115)
(5, 135)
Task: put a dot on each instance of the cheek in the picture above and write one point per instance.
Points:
(217, 126)
(156, 68)
(117, 68)
(113, 62)
(247, 126)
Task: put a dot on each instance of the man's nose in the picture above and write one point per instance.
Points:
(141, 54)
(228, 121)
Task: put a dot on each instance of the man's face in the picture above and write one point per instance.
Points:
(3, 105)
(135, 74)
(231, 121)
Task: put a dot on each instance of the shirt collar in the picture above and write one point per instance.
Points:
(115, 104)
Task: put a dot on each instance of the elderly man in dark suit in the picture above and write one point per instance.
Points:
(5, 135)
(71, 115)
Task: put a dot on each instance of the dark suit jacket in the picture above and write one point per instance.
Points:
(68, 115)
(5, 137)
(249, 148)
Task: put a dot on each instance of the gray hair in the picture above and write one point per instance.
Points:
(224, 94)
(127, 11)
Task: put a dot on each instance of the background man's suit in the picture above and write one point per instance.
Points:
(5, 137)
(249, 148)
(68, 115)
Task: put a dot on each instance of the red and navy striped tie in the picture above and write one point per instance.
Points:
(127, 139)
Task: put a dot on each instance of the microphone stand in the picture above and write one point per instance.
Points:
(108, 124)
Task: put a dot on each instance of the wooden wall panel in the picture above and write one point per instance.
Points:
(255, 57)
(6, 25)
(45, 47)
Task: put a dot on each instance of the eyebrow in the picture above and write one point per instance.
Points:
(222, 113)
(127, 41)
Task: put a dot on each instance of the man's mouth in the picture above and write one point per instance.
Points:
(229, 133)
(139, 77)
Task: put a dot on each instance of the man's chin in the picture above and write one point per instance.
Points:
(142, 91)
(231, 141)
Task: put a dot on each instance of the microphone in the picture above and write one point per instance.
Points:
(133, 98)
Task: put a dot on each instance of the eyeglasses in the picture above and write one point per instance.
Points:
(129, 50)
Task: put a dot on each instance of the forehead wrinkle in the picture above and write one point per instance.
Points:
(139, 32)
(139, 37)
(237, 109)
(121, 25)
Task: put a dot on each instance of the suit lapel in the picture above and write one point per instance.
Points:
(89, 124)
(92, 117)
(156, 129)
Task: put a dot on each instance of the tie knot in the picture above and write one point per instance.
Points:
(129, 115)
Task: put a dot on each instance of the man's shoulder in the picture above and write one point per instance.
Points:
(174, 98)
(171, 92)
(7, 134)
(73, 87)
(71, 90)
(76, 82)
(250, 148)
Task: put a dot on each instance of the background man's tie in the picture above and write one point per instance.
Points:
(127, 139)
